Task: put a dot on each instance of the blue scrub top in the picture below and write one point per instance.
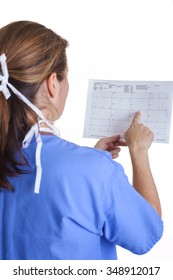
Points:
(85, 207)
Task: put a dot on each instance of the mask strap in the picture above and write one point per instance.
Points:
(4, 77)
(4, 88)
(35, 129)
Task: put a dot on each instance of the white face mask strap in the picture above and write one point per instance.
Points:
(4, 77)
(6, 92)
(34, 108)
(4, 85)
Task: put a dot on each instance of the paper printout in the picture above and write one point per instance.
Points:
(111, 106)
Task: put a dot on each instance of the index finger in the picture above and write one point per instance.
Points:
(136, 117)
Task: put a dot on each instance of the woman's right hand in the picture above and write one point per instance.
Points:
(138, 136)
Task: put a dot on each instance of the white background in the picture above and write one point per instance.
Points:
(119, 40)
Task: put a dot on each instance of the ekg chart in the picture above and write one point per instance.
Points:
(111, 106)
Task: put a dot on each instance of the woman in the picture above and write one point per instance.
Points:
(59, 200)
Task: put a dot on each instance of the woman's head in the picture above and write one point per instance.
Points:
(35, 56)
(33, 52)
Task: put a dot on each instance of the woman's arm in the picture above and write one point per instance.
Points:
(139, 138)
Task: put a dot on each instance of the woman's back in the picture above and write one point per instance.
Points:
(82, 209)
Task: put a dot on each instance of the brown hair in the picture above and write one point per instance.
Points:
(33, 52)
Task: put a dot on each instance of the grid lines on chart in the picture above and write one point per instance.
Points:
(112, 105)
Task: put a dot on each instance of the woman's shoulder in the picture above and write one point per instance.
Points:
(70, 152)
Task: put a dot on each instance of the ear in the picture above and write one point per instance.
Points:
(53, 86)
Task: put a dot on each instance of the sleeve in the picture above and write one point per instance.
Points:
(129, 220)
